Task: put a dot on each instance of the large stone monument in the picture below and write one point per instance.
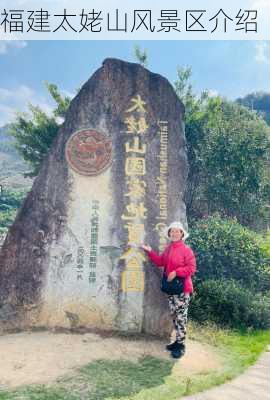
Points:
(113, 179)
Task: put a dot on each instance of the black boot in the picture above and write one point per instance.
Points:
(171, 346)
(178, 351)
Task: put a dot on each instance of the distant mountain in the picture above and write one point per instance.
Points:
(258, 101)
(12, 166)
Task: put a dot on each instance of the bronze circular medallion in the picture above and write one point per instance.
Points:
(89, 152)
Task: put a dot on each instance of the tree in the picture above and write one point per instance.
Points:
(228, 151)
(196, 115)
(258, 102)
(34, 134)
(10, 201)
(235, 154)
(63, 103)
(141, 55)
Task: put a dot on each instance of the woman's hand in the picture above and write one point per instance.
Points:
(146, 247)
(171, 276)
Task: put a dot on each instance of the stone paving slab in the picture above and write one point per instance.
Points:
(254, 384)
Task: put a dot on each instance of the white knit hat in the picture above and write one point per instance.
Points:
(177, 225)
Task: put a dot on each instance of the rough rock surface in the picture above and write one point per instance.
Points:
(114, 177)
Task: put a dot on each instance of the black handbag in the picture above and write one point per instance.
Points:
(176, 286)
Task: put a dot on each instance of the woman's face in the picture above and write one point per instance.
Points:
(176, 234)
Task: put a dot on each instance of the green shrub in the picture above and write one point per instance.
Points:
(226, 250)
(10, 201)
(232, 283)
(264, 243)
(227, 303)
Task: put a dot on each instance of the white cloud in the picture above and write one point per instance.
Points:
(262, 52)
(23, 93)
(68, 94)
(6, 115)
(18, 99)
(212, 92)
(6, 45)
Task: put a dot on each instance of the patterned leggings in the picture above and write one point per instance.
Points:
(178, 305)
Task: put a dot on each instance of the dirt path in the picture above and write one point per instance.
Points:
(42, 357)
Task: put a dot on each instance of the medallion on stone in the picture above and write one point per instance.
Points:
(89, 152)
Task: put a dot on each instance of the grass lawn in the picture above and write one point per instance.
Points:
(152, 378)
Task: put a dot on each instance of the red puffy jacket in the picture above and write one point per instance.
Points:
(177, 257)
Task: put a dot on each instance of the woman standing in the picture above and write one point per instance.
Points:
(178, 260)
